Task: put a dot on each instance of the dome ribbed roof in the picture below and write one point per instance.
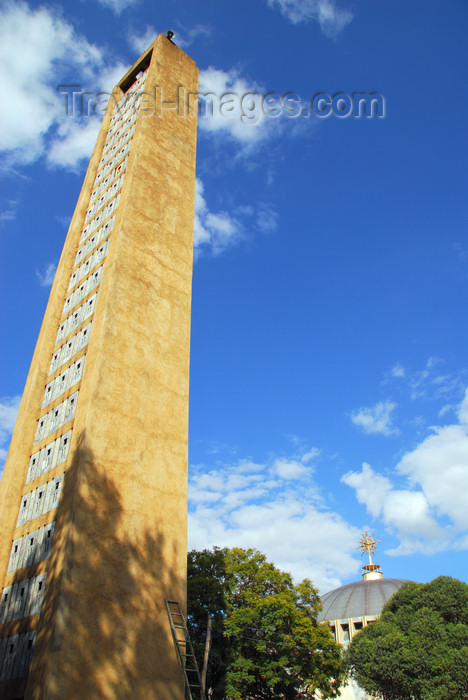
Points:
(358, 599)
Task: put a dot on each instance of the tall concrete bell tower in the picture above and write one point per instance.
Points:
(93, 500)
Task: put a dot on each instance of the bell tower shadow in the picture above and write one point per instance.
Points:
(104, 631)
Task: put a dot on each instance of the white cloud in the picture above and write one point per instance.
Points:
(75, 137)
(139, 41)
(463, 410)
(371, 488)
(267, 219)
(398, 370)
(74, 142)
(46, 278)
(8, 212)
(235, 108)
(429, 383)
(185, 37)
(439, 467)
(213, 231)
(421, 380)
(330, 18)
(431, 512)
(406, 512)
(30, 71)
(289, 469)
(375, 420)
(8, 412)
(274, 507)
(109, 76)
(33, 119)
(310, 454)
(117, 6)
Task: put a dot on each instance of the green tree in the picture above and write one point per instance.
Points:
(266, 639)
(418, 648)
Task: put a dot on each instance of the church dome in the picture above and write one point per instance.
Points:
(358, 599)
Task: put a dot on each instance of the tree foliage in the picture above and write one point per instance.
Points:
(418, 648)
(266, 640)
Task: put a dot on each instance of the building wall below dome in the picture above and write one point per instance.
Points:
(346, 628)
(351, 691)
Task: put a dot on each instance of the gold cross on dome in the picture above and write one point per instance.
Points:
(368, 545)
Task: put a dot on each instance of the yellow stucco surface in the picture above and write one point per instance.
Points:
(120, 547)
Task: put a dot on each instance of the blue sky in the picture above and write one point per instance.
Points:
(328, 362)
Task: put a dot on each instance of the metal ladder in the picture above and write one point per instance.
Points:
(180, 633)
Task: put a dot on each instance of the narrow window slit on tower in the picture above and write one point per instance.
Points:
(127, 83)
